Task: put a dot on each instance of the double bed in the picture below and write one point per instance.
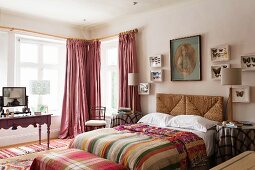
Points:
(151, 146)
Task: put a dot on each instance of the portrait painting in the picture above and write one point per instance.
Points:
(241, 94)
(185, 56)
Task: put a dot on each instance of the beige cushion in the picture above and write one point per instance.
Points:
(95, 123)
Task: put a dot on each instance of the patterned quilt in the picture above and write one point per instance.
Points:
(143, 147)
(73, 159)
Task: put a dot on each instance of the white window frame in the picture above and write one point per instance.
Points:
(60, 67)
(108, 68)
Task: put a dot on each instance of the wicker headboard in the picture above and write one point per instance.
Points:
(210, 107)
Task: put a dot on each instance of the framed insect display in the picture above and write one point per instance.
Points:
(156, 61)
(241, 94)
(216, 71)
(220, 53)
(248, 63)
(156, 76)
(144, 89)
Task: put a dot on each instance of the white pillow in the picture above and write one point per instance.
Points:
(158, 119)
(192, 122)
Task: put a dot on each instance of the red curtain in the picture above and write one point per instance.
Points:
(128, 95)
(82, 85)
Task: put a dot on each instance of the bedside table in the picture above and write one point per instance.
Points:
(233, 141)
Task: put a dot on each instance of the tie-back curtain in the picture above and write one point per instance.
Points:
(128, 95)
(82, 85)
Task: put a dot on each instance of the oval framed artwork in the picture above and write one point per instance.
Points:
(185, 58)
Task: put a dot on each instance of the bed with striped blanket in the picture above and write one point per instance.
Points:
(73, 159)
(144, 147)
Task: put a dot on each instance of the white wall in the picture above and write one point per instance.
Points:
(7, 54)
(219, 22)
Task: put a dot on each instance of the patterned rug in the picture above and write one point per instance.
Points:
(32, 148)
(17, 165)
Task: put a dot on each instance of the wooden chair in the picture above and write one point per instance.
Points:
(96, 118)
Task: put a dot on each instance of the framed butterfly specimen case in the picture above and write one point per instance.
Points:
(248, 63)
(156, 61)
(156, 75)
(241, 94)
(216, 71)
(220, 53)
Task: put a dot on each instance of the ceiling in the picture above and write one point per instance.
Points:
(75, 11)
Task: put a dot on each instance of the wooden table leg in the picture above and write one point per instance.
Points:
(40, 131)
(48, 137)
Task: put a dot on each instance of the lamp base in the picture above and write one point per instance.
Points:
(230, 106)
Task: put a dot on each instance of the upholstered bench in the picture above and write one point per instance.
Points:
(73, 159)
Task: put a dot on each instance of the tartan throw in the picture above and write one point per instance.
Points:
(233, 141)
(73, 159)
(144, 147)
(122, 119)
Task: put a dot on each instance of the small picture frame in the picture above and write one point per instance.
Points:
(248, 63)
(216, 71)
(155, 61)
(220, 53)
(144, 88)
(156, 76)
(241, 94)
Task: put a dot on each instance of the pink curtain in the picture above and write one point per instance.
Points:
(93, 73)
(128, 95)
(82, 85)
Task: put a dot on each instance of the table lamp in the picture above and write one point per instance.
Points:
(133, 81)
(231, 76)
(40, 87)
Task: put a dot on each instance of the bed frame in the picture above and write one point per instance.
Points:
(210, 107)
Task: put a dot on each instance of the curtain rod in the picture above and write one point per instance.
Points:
(110, 36)
(63, 37)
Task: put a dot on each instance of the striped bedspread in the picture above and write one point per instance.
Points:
(145, 147)
(73, 159)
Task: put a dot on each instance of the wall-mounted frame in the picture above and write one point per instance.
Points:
(156, 75)
(220, 53)
(144, 88)
(185, 59)
(216, 71)
(241, 94)
(248, 63)
(155, 61)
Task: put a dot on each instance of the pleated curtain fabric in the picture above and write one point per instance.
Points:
(82, 85)
(128, 95)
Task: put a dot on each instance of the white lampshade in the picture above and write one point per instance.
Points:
(133, 79)
(40, 87)
(231, 76)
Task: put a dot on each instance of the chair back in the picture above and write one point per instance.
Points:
(97, 113)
